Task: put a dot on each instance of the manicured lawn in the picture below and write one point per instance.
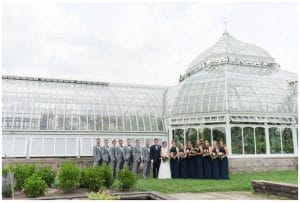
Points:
(237, 182)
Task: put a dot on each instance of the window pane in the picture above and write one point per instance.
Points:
(178, 136)
(248, 140)
(91, 122)
(260, 140)
(205, 134)
(219, 134)
(287, 141)
(191, 135)
(160, 124)
(236, 140)
(98, 122)
(275, 145)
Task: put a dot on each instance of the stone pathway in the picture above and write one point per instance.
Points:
(236, 195)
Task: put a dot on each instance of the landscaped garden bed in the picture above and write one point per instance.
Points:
(71, 182)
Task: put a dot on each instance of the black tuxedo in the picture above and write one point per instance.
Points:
(155, 156)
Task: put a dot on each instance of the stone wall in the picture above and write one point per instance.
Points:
(276, 188)
(235, 164)
(263, 164)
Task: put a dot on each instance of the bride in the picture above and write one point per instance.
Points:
(164, 169)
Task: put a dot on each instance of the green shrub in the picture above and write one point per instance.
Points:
(127, 179)
(82, 180)
(21, 173)
(47, 174)
(106, 176)
(69, 176)
(5, 171)
(93, 178)
(35, 186)
(102, 195)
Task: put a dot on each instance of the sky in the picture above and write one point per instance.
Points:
(136, 43)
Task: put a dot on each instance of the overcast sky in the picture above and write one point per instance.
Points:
(138, 43)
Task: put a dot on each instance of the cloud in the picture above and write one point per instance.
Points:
(145, 43)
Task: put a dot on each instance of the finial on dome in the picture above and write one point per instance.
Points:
(225, 26)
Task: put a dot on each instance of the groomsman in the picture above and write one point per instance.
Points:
(137, 156)
(113, 157)
(146, 159)
(105, 153)
(97, 153)
(155, 157)
(128, 154)
(120, 155)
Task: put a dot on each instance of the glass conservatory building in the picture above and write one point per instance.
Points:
(232, 91)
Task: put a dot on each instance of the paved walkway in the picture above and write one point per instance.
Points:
(236, 195)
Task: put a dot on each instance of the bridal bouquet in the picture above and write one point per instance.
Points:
(165, 158)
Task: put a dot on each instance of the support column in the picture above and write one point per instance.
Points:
(267, 138)
(170, 136)
(228, 135)
(295, 140)
(184, 138)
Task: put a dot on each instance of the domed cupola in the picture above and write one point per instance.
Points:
(232, 77)
(232, 51)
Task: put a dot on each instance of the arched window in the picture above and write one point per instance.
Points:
(249, 147)
(236, 140)
(260, 140)
(275, 142)
(287, 141)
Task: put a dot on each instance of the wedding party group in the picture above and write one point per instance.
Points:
(200, 161)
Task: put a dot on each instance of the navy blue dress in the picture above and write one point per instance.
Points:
(174, 164)
(183, 172)
(207, 164)
(199, 165)
(223, 163)
(215, 166)
(191, 163)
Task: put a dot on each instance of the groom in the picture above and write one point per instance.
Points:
(155, 157)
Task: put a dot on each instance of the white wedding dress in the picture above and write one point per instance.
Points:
(164, 169)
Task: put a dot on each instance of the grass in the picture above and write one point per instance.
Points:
(237, 182)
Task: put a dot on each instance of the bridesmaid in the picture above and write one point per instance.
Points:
(191, 161)
(207, 163)
(215, 160)
(174, 160)
(223, 152)
(183, 172)
(199, 161)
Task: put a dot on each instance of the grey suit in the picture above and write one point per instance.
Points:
(105, 154)
(97, 155)
(120, 157)
(113, 160)
(146, 162)
(128, 156)
(137, 158)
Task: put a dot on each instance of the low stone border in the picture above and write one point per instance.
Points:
(276, 188)
(124, 195)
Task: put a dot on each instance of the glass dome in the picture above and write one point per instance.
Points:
(229, 48)
(233, 77)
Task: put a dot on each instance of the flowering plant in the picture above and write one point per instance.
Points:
(8, 184)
